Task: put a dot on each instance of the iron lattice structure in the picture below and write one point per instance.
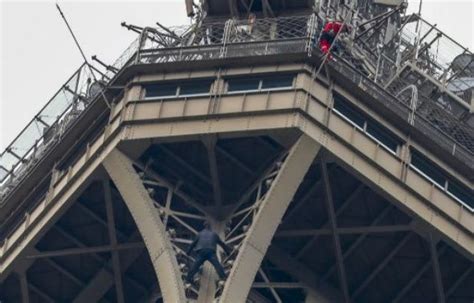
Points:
(431, 72)
(343, 178)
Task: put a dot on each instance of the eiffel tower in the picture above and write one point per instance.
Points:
(341, 176)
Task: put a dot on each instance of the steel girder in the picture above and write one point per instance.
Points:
(149, 223)
(267, 219)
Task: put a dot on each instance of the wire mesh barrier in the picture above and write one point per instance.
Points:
(436, 54)
(434, 64)
(124, 59)
(230, 39)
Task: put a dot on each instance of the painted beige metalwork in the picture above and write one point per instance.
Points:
(269, 216)
(148, 221)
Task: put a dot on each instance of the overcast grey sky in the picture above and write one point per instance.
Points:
(37, 54)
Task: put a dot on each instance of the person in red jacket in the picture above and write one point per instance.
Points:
(328, 35)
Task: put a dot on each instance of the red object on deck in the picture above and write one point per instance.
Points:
(330, 30)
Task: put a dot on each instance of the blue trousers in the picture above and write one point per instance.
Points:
(202, 256)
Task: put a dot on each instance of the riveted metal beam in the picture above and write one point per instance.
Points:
(341, 208)
(345, 230)
(101, 282)
(359, 240)
(459, 280)
(111, 228)
(337, 244)
(143, 211)
(320, 291)
(401, 294)
(436, 270)
(381, 265)
(210, 143)
(269, 215)
(25, 296)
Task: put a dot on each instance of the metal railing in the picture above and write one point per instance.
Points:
(241, 38)
(45, 129)
(230, 39)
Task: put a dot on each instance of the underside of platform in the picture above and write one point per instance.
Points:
(339, 238)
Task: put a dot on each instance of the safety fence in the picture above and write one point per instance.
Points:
(436, 117)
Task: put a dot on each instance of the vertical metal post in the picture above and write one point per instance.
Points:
(418, 31)
(227, 32)
(25, 296)
(337, 244)
(113, 240)
(436, 271)
(311, 33)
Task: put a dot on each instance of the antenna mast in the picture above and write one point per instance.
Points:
(82, 52)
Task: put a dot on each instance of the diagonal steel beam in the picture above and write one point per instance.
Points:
(85, 250)
(256, 297)
(436, 270)
(332, 222)
(345, 230)
(41, 293)
(273, 285)
(210, 143)
(102, 281)
(25, 296)
(235, 160)
(268, 217)
(267, 282)
(415, 278)
(341, 208)
(136, 197)
(381, 266)
(301, 203)
(185, 164)
(98, 218)
(262, 174)
(65, 272)
(459, 280)
(321, 291)
(111, 228)
(105, 270)
(359, 240)
(162, 180)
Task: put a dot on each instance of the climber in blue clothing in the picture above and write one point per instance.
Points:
(205, 245)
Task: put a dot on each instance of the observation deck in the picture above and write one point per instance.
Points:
(202, 116)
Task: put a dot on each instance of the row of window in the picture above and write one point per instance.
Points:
(187, 88)
(256, 84)
(368, 126)
(343, 107)
(391, 142)
(198, 87)
(438, 177)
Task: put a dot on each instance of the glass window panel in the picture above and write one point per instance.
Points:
(241, 84)
(73, 82)
(383, 136)
(27, 139)
(462, 193)
(161, 90)
(428, 168)
(348, 111)
(277, 81)
(8, 160)
(56, 107)
(3, 173)
(195, 87)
